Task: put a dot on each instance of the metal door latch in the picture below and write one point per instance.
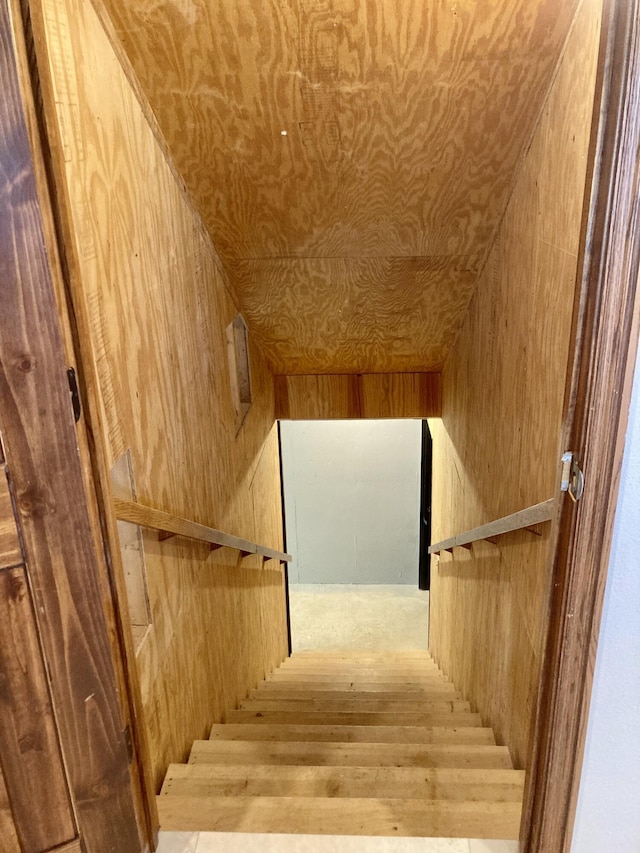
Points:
(75, 394)
(572, 477)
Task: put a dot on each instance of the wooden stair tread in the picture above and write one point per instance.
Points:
(438, 691)
(425, 685)
(358, 669)
(379, 658)
(213, 780)
(317, 754)
(355, 705)
(370, 676)
(362, 718)
(359, 654)
(349, 742)
(410, 667)
(352, 734)
(328, 815)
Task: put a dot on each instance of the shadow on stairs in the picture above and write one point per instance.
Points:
(349, 743)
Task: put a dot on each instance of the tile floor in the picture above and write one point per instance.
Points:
(237, 842)
(343, 616)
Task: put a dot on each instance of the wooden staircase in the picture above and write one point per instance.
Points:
(349, 743)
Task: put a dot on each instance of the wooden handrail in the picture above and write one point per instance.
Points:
(528, 517)
(174, 525)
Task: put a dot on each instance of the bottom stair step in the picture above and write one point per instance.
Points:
(212, 780)
(328, 816)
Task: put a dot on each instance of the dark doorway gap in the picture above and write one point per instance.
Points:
(284, 543)
(424, 569)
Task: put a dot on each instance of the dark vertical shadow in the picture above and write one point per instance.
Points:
(424, 570)
(284, 543)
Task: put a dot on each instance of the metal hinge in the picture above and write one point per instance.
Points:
(129, 742)
(572, 477)
(75, 394)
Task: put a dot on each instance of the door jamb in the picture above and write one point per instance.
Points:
(595, 414)
(88, 437)
(49, 490)
(593, 427)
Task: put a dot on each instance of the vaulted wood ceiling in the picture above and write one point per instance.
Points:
(350, 158)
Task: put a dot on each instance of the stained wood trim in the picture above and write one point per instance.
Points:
(595, 416)
(7, 823)
(157, 519)
(37, 99)
(10, 548)
(30, 752)
(41, 446)
(524, 519)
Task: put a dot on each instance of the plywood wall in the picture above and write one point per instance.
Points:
(373, 395)
(153, 306)
(351, 158)
(358, 314)
(496, 448)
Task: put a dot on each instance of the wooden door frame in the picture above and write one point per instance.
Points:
(599, 383)
(54, 496)
(600, 373)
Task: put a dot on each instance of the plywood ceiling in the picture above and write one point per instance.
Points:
(350, 158)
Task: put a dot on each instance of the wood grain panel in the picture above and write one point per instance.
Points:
(9, 842)
(355, 315)
(131, 549)
(497, 446)
(317, 397)
(10, 550)
(401, 395)
(387, 395)
(41, 446)
(394, 112)
(350, 158)
(29, 745)
(153, 305)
